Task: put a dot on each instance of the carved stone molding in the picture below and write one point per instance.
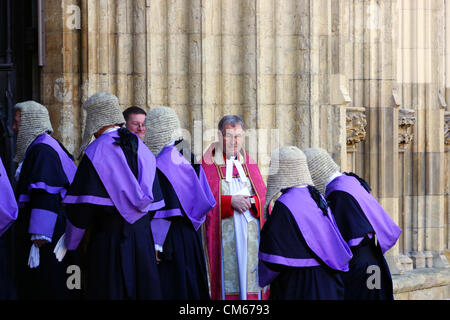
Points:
(356, 126)
(447, 129)
(406, 122)
(339, 92)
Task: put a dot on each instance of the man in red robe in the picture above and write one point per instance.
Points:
(231, 230)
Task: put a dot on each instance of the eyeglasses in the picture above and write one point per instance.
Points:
(231, 136)
(137, 124)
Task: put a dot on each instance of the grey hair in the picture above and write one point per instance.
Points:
(231, 119)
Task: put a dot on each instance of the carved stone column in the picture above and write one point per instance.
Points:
(406, 122)
(356, 127)
(356, 132)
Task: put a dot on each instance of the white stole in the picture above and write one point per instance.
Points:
(238, 187)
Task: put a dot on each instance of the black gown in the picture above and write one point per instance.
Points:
(7, 287)
(352, 223)
(182, 268)
(48, 280)
(281, 236)
(119, 260)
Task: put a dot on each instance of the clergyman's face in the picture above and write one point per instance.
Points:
(233, 139)
(136, 124)
(16, 123)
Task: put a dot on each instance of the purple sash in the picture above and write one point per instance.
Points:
(68, 166)
(321, 233)
(8, 204)
(193, 192)
(386, 230)
(132, 198)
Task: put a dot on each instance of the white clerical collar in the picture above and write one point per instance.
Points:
(115, 128)
(334, 176)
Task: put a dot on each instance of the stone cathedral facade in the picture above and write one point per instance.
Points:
(367, 80)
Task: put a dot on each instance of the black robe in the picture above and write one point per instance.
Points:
(281, 236)
(352, 223)
(119, 260)
(7, 287)
(48, 280)
(182, 268)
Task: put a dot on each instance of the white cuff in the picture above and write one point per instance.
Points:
(40, 237)
(60, 248)
(33, 259)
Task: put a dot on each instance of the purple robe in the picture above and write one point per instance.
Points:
(8, 204)
(386, 230)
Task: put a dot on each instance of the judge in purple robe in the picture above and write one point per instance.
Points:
(45, 172)
(114, 189)
(188, 198)
(8, 214)
(302, 254)
(365, 225)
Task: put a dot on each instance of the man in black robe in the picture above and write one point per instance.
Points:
(302, 255)
(45, 172)
(188, 198)
(114, 189)
(364, 224)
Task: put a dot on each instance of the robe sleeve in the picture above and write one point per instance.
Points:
(163, 190)
(86, 195)
(41, 184)
(226, 209)
(158, 195)
(44, 212)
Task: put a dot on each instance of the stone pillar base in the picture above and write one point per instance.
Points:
(440, 260)
(418, 258)
(406, 262)
(428, 259)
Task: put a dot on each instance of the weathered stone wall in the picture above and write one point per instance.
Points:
(367, 80)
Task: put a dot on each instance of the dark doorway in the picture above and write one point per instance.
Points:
(19, 70)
